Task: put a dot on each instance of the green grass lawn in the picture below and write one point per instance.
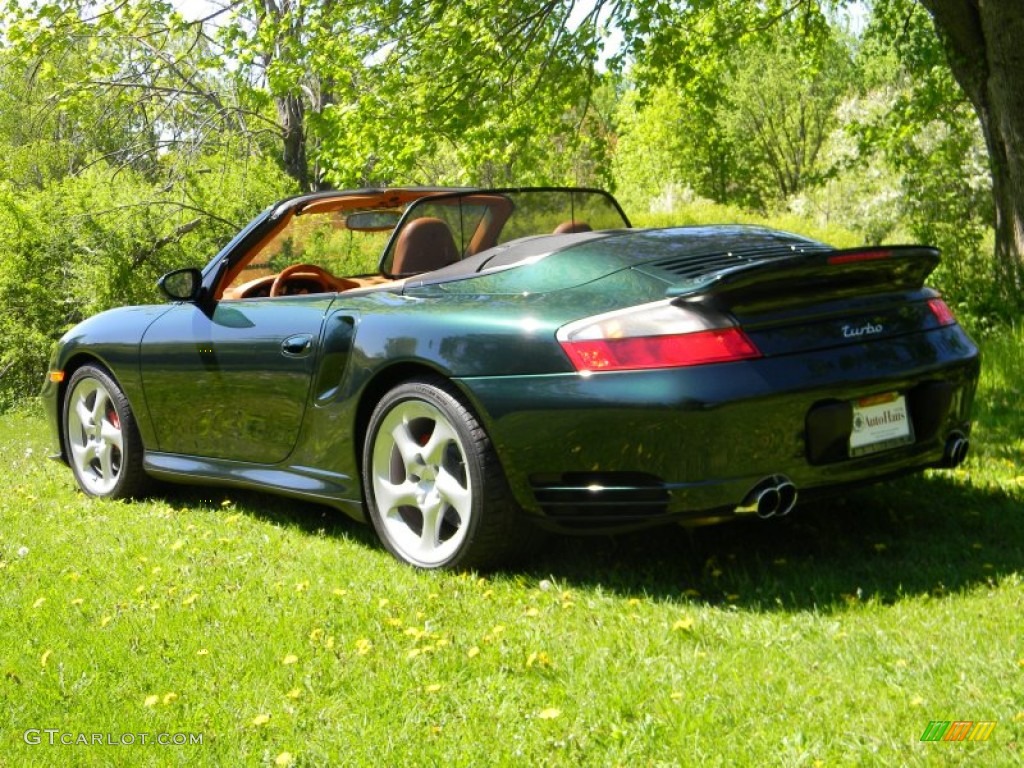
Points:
(280, 633)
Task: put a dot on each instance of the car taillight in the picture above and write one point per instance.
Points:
(659, 335)
(942, 312)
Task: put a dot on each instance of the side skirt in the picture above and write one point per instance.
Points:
(296, 482)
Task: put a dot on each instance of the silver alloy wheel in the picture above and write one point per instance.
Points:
(421, 483)
(95, 438)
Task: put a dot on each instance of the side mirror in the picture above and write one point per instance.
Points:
(181, 284)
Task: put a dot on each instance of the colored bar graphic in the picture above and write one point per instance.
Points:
(958, 730)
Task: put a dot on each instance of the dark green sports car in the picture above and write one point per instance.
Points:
(467, 366)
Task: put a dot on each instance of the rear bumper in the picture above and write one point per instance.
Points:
(625, 450)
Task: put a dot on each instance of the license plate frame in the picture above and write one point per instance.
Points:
(880, 423)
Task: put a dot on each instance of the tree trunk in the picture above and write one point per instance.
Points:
(983, 44)
(291, 114)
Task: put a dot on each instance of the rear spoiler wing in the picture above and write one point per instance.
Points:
(816, 276)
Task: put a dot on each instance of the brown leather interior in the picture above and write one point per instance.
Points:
(572, 227)
(424, 245)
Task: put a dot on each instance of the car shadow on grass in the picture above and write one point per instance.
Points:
(913, 536)
(308, 517)
(917, 535)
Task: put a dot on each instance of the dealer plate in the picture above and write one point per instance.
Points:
(880, 423)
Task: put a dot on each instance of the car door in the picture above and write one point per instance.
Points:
(232, 382)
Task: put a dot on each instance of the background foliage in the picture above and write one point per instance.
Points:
(135, 139)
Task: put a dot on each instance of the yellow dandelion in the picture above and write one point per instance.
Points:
(413, 653)
(1020, 662)
(284, 759)
(363, 646)
(140, 589)
(261, 719)
(169, 697)
(488, 593)
(531, 613)
(177, 545)
(291, 658)
(383, 602)
(549, 714)
(473, 652)
(339, 592)
(433, 596)
(684, 624)
(498, 629)
(226, 503)
(190, 599)
(74, 576)
(634, 601)
(39, 602)
(294, 693)
(329, 643)
(202, 652)
(301, 586)
(78, 601)
(394, 621)
(44, 658)
(106, 620)
(917, 701)
(538, 658)
(151, 701)
(156, 570)
(432, 688)
(232, 519)
(1019, 717)
(676, 695)
(316, 634)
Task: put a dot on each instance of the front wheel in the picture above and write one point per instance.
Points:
(436, 494)
(102, 441)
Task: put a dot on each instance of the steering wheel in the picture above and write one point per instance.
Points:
(325, 278)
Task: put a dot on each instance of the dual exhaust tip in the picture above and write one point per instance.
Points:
(776, 495)
(773, 496)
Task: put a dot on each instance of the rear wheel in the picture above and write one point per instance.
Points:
(436, 494)
(102, 440)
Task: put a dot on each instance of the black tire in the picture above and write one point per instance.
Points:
(434, 488)
(101, 437)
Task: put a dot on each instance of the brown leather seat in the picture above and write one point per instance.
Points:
(572, 227)
(424, 245)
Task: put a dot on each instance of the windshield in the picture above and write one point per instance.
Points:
(441, 230)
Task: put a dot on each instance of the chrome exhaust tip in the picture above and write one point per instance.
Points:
(787, 498)
(957, 446)
(767, 503)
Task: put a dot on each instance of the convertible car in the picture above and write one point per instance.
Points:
(464, 367)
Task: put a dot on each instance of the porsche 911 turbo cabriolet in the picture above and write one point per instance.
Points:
(462, 367)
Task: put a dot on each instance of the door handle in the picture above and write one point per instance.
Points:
(297, 346)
